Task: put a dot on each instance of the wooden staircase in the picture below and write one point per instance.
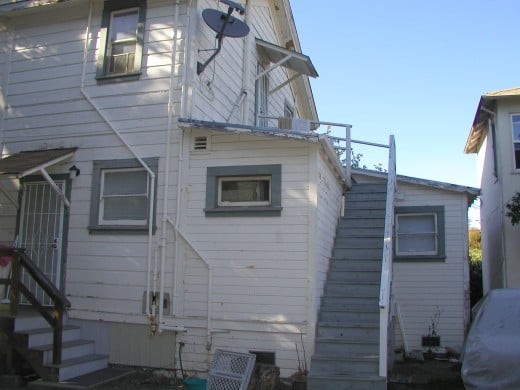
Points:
(346, 354)
(32, 338)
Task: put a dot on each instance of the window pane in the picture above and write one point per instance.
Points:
(416, 223)
(517, 155)
(125, 208)
(125, 182)
(417, 243)
(516, 127)
(124, 25)
(245, 191)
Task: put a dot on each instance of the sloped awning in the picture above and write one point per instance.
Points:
(26, 163)
(280, 56)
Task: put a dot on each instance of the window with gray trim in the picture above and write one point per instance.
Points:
(121, 194)
(419, 233)
(247, 190)
(121, 40)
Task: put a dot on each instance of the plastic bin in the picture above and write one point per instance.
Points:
(196, 384)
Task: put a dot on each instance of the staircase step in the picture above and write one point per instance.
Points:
(347, 264)
(354, 223)
(345, 382)
(337, 365)
(341, 330)
(331, 300)
(359, 289)
(71, 349)
(44, 336)
(358, 195)
(92, 380)
(353, 276)
(347, 346)
(71, 368)
(368, 213)
(359, 242)
(348, 317)
(358, 253)
(366, 188)
(361, 232)
(366, 204)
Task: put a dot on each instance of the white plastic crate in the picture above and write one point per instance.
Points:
(230, 370)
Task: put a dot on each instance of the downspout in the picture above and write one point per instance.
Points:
(167, 163)
(5, 82)
(246, 76)
(129, 147)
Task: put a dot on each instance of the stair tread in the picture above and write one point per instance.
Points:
(65, 344)
(331, 356)
(78, 360)
(44, 330)
(346, 325)
(347, 340)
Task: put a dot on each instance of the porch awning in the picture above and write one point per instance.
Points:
(25, 163)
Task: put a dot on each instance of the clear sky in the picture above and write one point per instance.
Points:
(412, 68)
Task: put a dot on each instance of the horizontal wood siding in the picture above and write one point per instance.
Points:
(421, 287)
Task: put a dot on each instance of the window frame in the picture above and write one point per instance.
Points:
(515, 142)
(213, 174)
(96, 224)
(438, 213)
(103, 61)
(262, 98)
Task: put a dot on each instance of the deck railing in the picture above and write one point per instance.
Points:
(20, 261)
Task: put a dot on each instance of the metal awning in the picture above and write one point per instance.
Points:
(36, 161)
(280, 56)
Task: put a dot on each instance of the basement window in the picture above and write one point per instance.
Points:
(250, 190)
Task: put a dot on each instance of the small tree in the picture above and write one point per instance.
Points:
(475, 265)
(513, 209)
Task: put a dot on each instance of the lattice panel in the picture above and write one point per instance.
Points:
(230, 370)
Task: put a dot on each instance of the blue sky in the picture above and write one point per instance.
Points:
(412, 68)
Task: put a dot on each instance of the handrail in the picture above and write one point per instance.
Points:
(386, 267)
(21, 259)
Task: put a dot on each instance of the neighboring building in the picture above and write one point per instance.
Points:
(172, 185)
(495, 137)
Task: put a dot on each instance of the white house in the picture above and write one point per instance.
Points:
(166, 176)
(495, 137)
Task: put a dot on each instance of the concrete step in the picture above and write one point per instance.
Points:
(340, 330)
(338, 365)
(71, 368)
(345, 382)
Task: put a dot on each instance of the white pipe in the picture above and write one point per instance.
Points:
(167, 163)
(246, 78)
(5, 83)
(151, 174)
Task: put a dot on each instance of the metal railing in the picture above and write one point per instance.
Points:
(16, 287)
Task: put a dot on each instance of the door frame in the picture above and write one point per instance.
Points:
(66, 213)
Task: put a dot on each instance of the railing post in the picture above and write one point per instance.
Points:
(14, 291)
(57, 333)
(348, 151)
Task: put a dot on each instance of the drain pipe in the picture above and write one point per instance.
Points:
(167, 163)
(246, 67)
(151, 174)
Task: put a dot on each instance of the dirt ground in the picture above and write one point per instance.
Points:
(430, 374)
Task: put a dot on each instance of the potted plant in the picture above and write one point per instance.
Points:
(432, 339)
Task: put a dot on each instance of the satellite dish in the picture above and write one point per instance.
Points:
(224, 25)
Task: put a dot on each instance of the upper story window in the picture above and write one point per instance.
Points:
(122, 37)
(419, 233)
(515, 119)
(262, 98)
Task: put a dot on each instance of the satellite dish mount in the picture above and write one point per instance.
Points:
(225, 25)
